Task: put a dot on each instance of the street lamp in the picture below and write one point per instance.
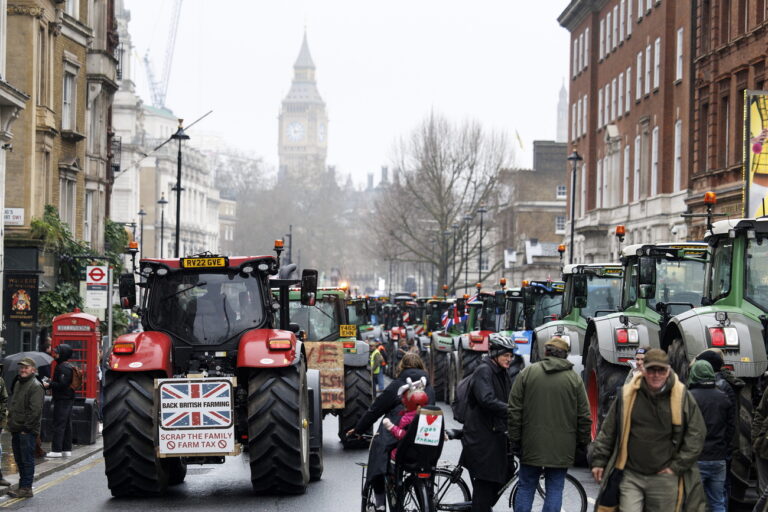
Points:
(481, 211)
(467, 219)
(180, 136)
(455, 228)
(444, 253)
(141, 215)
(162, 202)
(289, 236)
(574, 158)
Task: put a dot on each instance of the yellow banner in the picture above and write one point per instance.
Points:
(755, 153)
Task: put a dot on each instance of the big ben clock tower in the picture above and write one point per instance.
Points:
(303, 124)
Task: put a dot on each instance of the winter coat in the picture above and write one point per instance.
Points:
(25, 408)
(484, 441)
(720, 418)
(549, 414)
(62, 375)
(399, 430)
(760, 427)
(3, 404)
(387, 404)
(688, 433)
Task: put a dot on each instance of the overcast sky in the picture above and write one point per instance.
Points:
(381, 68)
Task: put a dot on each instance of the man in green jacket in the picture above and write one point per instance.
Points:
(25, 412)
(548, 418)
(645, 454)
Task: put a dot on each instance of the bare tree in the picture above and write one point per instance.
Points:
(444, 172)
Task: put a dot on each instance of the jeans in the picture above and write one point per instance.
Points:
(379, 380)
(62, 426)
(713, 480)
(554, 480)
(24, 455)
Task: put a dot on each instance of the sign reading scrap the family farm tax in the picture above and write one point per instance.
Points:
(328, 357)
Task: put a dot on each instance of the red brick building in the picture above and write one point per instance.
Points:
(730, 46)
(630, 120)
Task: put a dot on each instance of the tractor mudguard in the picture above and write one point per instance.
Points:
(605, 327)
(362, 356)
(254, 352)
(442, 342)
(748, 359)
(315, 409)
(475, 346)
(152, 352)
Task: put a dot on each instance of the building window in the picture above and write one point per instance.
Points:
(629, 18)
(72, 8)
(88, 216)
(629, 89)
(625, 187)
(599, 186)
(678, 155)
(42, 67)
(582, 60)
(704, 136)
(602, 39)
(573, 122)
(584, 115)
(68, 107)
(578, 117)
(608, 44)
(585, 48)
(600, 107)
(743, 14)
(636, 177)
(560, 224)
(561, 192)
(615, 26)
(639, 84)
(622, 19)
(583, 189)
(725, 128)
(725, 22)
(655, 161)
(575, 63)
(648, 5)
(620, 106)
(639, 10)
(648, 63)
(614, 100)
(656, 62)
(67, 200)
(607, 113)
(679, 54)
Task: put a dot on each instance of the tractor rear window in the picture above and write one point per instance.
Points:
(757, 272)
(205, 308)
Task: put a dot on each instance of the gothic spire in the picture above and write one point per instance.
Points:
(304, 59)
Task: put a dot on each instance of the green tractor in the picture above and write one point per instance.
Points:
(442, 328)
(343, 360)
(360, 312)
(659, 281)
(733, 317)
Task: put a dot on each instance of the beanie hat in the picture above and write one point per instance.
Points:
(701, 371)
(713, 357)
(558, 343)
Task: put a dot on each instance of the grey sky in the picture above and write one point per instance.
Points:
(381, 68)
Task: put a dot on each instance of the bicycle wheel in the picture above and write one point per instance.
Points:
(574, 495)
(368, 504)
(415, 497)
(450, 491)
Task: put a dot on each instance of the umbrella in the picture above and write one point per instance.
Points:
(10, 364)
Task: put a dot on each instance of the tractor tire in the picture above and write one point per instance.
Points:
(452, 378)
(469, 361)
(278, 430)
(744, 488)
(177, 470)
(315, 427)
(440, 380)
(678, 359)
(131, 464)
(603, 382)
(535, 350)
(358, 395)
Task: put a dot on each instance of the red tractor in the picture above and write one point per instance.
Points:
(217, 369)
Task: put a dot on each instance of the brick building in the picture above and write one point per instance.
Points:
(630, 116)
(531, 219)
(730, 42)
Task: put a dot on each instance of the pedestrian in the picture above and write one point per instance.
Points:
(760, 449)
(389, 405)
(377, 368)
(637, 367)
(25, 412)
(720, 419)
(644, 456)
(549, 419)
(63, 399)
(484, 442)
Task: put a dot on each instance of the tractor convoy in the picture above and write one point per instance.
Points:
(238, 354)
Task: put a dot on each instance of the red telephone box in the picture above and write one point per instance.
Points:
(81, 332)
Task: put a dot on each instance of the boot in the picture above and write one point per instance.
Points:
(21, 492)
(3, 481)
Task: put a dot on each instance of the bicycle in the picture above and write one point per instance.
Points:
(452, 491)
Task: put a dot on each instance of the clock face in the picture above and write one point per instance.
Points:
(295, 131)
(321, 133)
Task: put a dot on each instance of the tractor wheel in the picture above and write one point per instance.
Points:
(603, 382)
(744, 488)
(131, 465)
(278, 430)
(315, 427)
(358, 393)
(177, 470)
(469, 361)
(678, 359)
(440, 382)
(452, 377)
(535, 349)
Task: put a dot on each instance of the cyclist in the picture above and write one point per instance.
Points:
(388, 404)
(413, 396)
(484, 441)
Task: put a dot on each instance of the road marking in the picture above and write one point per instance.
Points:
(50, 484)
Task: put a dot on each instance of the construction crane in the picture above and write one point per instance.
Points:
(159, 89)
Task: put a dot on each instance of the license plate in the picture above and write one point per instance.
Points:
(203, 262)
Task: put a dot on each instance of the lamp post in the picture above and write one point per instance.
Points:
(289, 236)
(467, 219)
(455, 228)
(162, 202)
(481, 211)
(141, 215)
(574, 158)
(444, 254)
(179, 136)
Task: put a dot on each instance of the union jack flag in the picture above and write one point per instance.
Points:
(193, 396)
(446, 320)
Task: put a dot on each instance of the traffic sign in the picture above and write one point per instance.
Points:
(96, 287)
(96, 275)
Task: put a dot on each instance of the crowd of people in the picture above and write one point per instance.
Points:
(664, 445)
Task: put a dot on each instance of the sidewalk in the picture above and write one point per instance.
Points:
(43, 467)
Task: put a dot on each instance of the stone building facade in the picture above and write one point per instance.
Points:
(630, 117)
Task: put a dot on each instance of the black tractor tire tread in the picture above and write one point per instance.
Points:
(358, 396)
(469, 361)
(131, 464)
(274, 430)
(440, 382)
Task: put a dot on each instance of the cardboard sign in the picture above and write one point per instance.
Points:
(347, 331)
(429, 429)
(196, 417)
(328, 357)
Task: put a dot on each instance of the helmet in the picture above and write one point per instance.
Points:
(500, 344)
(413, 395)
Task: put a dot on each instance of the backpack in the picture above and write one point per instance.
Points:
(77, 378)
(461, 404)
